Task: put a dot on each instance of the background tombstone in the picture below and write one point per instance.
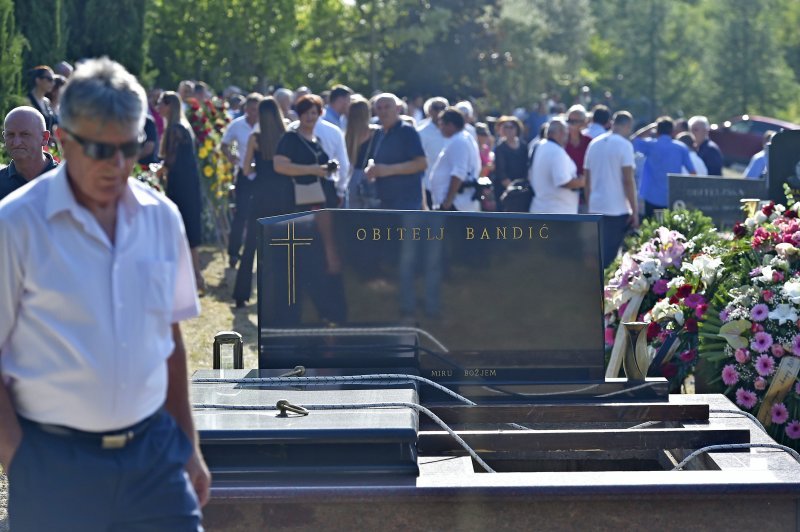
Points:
(784, 156)
(717, 197)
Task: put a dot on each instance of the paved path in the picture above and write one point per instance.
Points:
(3, 503)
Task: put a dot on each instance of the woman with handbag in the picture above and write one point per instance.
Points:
(272, 192)
(300, 156)
(359, 139)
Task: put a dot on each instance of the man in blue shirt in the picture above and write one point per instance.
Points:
(707, 149)
(759, 162)
(399, 158)
(338, 106)
(663, 156)
(25, 136)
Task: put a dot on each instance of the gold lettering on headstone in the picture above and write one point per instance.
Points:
(501, 233)
(415, 233)
(485, 234)
(546, 231)
(361, 234)
(517, 232)
(376, 233)
(470, 233)
(402, 231)
(440, 236)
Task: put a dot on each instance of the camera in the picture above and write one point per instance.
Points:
(333, 165)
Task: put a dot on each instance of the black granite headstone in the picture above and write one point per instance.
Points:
(461, 297)
(717, 197)
(783, 165)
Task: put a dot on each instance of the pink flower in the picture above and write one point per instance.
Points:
(729, 375)
(793, 429)
(660, 287)
(746, 398)
(761, 342)
(700, 310)
(767, 295)
(609, 336)
(796, 345)
(742, 355)
(797, 387)
(777, 350)
(796, 238)
(765, 365)
(688, 355)
(760, 383)
(780, 414)
(777, 276)
(693, 300)
(760, 312)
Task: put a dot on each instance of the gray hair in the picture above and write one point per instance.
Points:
(29, 111)
(699, 119)
(577, 108)
(388, 96)
(102, 89)
(426, 107)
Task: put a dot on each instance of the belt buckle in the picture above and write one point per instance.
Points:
(116, 441)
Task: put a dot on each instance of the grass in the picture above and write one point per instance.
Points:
(218, 314)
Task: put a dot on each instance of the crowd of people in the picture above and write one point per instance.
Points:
(296, 151)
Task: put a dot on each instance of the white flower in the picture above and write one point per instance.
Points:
(664, 310)
(786, 250)
(761, 217)
(766, 274)
(640, 285)
(750, 223)
(783, 313)
(650, 266)
(792, 291)
(705, 267)
(676, 282)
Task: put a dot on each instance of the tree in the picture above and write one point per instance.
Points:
(12, 44)
(42, 23)
(115, 29)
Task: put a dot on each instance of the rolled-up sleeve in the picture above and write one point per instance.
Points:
(185, 303)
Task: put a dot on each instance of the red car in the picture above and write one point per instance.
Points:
(740, 138)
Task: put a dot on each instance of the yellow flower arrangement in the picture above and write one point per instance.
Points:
(208, 171)
(202, 152)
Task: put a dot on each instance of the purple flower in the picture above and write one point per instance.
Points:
(761, 342)
(742, 355)
(660, 287)
(797, 387)
(724, 314)
(694, 300)
(796, 345)
(780, 414)
(760, 312)
(793, 429)
(746, 398)
(755, 272)
(765, 365)
(729, 375)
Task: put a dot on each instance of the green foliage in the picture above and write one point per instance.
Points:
(42, 24)
(12, 45)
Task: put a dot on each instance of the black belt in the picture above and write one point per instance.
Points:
(108, 440)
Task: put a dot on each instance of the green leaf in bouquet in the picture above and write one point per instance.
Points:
(714, 356)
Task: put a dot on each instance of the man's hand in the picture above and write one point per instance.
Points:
(200, 477)
(633, 221)
(375, 171)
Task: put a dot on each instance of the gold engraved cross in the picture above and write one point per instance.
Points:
(291, 242)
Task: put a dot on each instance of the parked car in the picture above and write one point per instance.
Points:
(740, 138)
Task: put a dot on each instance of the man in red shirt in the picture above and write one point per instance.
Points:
(577, 142)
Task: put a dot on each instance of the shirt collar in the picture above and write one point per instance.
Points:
(60, 197)
(49, 164)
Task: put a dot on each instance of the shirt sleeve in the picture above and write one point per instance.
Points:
(687, 160)
(227, 137)
(11, 275)
(628, 156)
(564, 169)
(460, 160)
(413, 144)
(642, 145)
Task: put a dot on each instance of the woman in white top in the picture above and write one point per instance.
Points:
(699, 166)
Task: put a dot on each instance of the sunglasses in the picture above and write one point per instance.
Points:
(102, 150)
(48, 78)
(575, 121)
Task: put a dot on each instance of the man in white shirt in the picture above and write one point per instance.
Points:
(601, 117)
(610, 184)
(431, 137)
(236, 135)
(96, 429)
(553, 175)
(455, 164)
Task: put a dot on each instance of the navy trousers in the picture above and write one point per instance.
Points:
(67, 483)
